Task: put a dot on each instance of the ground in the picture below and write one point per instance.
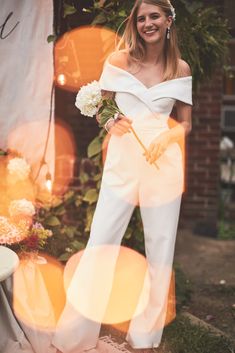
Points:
(206, 262)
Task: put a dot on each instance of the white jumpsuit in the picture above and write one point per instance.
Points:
(129, 180)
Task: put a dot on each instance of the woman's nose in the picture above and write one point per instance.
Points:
(148, 22)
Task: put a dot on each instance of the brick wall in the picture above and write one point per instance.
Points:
(201, 199)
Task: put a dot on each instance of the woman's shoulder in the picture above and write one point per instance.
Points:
(184, 68)
(119, 58)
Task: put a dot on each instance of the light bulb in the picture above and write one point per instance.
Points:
(61, 79)
(48, 182)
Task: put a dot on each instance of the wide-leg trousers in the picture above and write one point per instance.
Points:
(75, 332)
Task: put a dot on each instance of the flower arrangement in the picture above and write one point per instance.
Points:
(22, 235)
(89, 101)
(17, 206)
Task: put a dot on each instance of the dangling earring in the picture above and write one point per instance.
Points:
(168, 33)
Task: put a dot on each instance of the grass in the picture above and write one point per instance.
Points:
(181, 336)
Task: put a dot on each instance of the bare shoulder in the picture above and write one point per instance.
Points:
(119, 58)
(184, 68)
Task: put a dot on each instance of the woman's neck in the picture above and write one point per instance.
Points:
(154, 54)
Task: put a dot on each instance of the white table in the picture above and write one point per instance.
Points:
(9, 261)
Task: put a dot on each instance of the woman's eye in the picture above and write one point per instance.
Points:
(140, 19)
(154, 17)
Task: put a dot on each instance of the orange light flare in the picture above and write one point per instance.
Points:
(80, 54)
(105, 284)
(32, 149)
(89, 291)
(38, 293)
(109, 294)
(65, 150)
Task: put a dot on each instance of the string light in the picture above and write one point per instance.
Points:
(61, 79)
(49, 181)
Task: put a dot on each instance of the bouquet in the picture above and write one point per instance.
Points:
(90, 102)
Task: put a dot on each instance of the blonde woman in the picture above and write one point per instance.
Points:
(146, 79)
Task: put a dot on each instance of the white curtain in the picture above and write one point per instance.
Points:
(26, 76)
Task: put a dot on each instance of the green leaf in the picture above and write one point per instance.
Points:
(128, 233)
(77, 245)
(51, 38)
(83, 177)
(122, 13)
(64, 257)
(69, 10)
(99, 19)
(70, 231)
(89, 218)
(78, 201)
(52, 221)
(94, 147)
(91, 196)
(59, 211)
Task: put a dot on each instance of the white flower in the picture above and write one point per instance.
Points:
(88, 98)
(226, 143)
(10, 233)
(19, 168)
(19, 207)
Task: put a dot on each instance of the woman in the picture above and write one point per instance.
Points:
(146, 78)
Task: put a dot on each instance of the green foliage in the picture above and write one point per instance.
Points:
(226, 230)
(203, 32)
(204, 37)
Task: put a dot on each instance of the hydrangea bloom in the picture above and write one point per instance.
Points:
(19, 168)
(19, 207)
(88, 98)
(11, 233)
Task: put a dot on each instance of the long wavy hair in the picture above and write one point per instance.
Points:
(136, 45)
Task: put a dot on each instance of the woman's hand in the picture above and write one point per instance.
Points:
(121, 126)
(158, 147)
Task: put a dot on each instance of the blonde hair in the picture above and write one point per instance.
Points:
(136, 46)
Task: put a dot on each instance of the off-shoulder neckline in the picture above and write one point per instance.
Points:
(140, 82)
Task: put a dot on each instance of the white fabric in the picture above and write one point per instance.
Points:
(26, 76)
(125, 170)
(8, 262)
(128, 180)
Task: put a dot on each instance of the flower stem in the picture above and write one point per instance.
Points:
(143, 146)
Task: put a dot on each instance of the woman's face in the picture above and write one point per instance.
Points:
(152, 23)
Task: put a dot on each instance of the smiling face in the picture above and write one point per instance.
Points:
(152, 23)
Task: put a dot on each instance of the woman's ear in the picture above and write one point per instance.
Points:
(169, 21)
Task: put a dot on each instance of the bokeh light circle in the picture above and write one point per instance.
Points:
(80, 55)
(38, 292)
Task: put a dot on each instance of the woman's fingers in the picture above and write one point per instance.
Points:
(122, 125)
(153, 153)
(124, 118)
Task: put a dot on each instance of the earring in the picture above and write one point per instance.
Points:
(168, 33)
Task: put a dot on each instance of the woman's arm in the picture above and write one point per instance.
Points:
(184, 111)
